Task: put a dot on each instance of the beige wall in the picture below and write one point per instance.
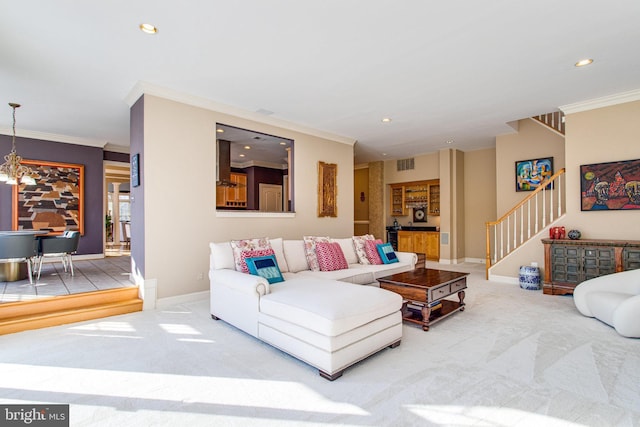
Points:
(596, 136)
(180, 214)
(531, 141)
(480, 200)
(593, 136)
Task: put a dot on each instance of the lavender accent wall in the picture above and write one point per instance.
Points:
(137, 193)
(90, 157)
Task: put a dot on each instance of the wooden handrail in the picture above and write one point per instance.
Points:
(540, 188)
(513, 212)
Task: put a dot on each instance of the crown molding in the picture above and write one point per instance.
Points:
(54, 137)
(142, 88)
(605, 101)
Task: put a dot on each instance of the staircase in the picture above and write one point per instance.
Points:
(540, 208)
(554, 121)
(59, 310)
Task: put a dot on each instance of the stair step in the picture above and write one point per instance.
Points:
(60, 310)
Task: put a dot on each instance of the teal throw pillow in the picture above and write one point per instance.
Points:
(265, 266)
(386, 252)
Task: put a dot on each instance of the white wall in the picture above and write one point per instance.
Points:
(179, 184)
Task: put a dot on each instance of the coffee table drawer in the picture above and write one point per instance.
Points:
(458, 285)
(440, 292)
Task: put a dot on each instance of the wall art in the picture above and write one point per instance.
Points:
(531, 173)
(610, 186)
(54, 203)
(327, 189)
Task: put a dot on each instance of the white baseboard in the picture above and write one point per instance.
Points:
(504, 279)
(181, 299)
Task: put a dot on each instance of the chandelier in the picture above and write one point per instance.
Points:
(11, 171)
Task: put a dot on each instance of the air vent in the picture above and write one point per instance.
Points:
(405, 164)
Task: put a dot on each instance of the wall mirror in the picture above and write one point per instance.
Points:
(253, 171)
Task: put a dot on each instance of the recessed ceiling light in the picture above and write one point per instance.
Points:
(241, 155)
(449, 141)
(246, 147)
(148, 28)
(283, 143)
(584, 62)
(386, 120)
(220, 130)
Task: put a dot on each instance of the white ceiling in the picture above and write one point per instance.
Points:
(446, 70)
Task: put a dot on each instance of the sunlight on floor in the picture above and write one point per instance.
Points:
(105, 326)
(170, 389)
(484, 416)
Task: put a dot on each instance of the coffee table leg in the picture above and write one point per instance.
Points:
(426, 314)
(461, 298)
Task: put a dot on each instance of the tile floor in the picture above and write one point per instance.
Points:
(89, 275)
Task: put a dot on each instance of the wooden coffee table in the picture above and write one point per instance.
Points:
(427, 289)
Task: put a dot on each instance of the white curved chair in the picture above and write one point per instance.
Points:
(613, 299)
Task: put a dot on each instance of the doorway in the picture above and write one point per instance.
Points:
(270, 197)
(117, 209)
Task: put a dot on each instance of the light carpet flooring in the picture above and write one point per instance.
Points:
(512, 358)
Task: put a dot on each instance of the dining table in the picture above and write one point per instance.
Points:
(12, 271)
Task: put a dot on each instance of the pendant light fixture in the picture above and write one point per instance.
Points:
(12, 171)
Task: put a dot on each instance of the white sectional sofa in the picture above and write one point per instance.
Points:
(327, 319)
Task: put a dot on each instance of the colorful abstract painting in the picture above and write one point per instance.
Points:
(610, 186)
(54, 203)
(530, 173)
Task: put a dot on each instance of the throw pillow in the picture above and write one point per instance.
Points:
(372, 251)
(310, 250)
(252, 254)
(358, 244)
(330, 256)
(265, 266)
(348, 250)
(387, 253)
(240, 246)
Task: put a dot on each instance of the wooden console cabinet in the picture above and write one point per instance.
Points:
(570, 262)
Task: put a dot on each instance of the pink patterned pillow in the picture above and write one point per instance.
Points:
(372, 251)
(358, 244)
(240, 246)
(251, 254)
(330, 256)
(310, 250)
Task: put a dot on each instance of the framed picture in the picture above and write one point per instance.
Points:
(531, 173)
(135, 170)
(610, 186)
(327, 189)
(55, 203)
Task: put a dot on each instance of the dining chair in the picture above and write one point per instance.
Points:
(19, 248)
(59, 247)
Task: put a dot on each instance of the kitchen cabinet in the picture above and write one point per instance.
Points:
(415, 194)
(233, 196)
(567, 263)
(424, 242)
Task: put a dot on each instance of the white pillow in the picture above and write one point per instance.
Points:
(278, 249)
(358, 244)
(222, 256)
(294, 253)
(348, 249)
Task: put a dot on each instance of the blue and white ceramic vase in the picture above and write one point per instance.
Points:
(530, 277)
(574, 234)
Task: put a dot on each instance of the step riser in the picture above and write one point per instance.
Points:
(25, 315)
(10, 326)
(12, 310)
